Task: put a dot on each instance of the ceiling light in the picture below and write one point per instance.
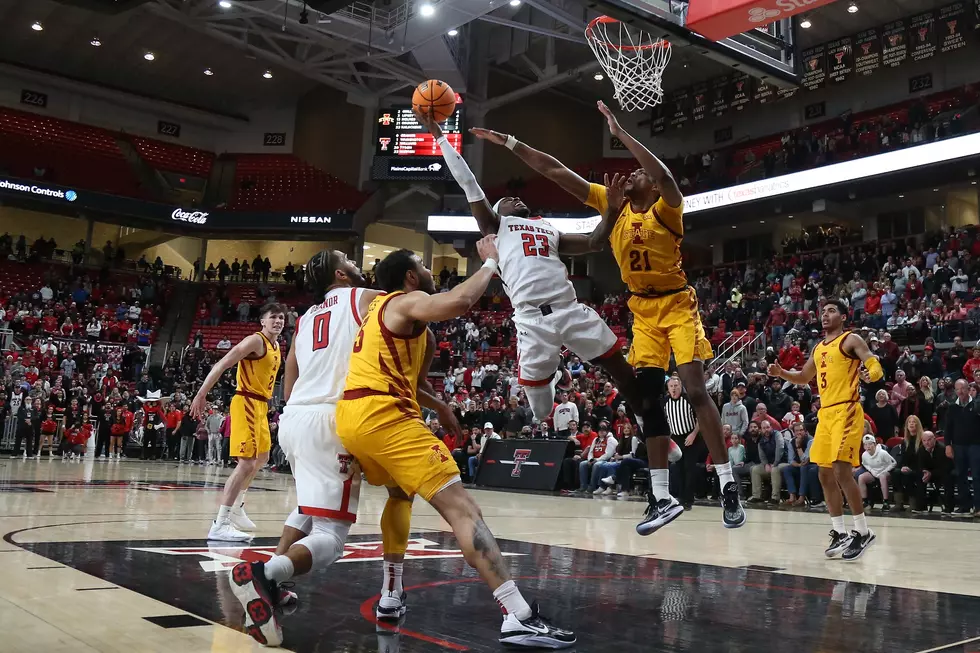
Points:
(973, 183)
(149, 56)
(901, 197)
(37, 27)
(208, 72)
(515, 3)
(805, 23)
(453, 32)
(935, 190)
(762, 221)
(598, 77)
(852, 8)
(734, 227)
(427, 10)
(97, 42)
(225, 4)
(790, 217)
(267, 74)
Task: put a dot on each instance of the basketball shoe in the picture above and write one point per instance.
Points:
(733, 515)
(838, 544)
(534, 632)
(226, 532)
(240, 520)
(658, 514)
(259, 597)
(858, 545)
(392, 606)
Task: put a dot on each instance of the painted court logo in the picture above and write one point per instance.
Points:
(219, 558)
(520, 457)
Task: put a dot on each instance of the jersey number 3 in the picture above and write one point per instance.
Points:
(321, 331)
(536, 245)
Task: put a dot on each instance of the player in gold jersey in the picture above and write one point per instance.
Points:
(380, 424)
(642, 219)
(258, 358)
(836, 362)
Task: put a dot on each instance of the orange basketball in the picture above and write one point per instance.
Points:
(436, 96)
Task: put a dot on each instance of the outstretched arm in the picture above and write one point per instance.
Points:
(574, 244)
(544, 164)
(856, 346)
(485, 216)
(654, 166)
(253, 344)
(426, 395)
(802, 377)
(420, 306)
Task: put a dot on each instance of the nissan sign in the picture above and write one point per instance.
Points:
(193, 217)
(312, 219)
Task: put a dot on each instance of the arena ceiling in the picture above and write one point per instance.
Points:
(369, 50)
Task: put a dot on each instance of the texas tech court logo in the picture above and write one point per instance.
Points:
(220, 557)
(520, 459)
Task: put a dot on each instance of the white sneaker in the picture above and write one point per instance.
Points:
(226, 532)
(609, 480)
(391, 606)
(608, 491)
(623, 494)
(240, 520)
(598, 490)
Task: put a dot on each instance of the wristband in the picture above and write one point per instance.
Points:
(490, 263)
(511, 142)
(441, 139)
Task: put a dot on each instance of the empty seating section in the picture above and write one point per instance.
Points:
(64, 152)
(285, 182)
(171, 157)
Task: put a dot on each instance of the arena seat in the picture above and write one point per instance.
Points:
(171, 157)
(287, 183)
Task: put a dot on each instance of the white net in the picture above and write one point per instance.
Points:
(633, 60)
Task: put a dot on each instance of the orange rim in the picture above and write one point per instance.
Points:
(589, 34)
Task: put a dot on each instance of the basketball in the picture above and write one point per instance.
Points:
(436, 96)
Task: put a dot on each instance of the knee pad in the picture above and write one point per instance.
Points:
(541, 399)
(326, 541)
(396, 522)
(299, 522)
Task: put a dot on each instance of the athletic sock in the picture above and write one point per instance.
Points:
(223, 512)
(838, 524)
(511, 602)
(861, 523)
(240, 500)
(660, 483)
(279, 568)
(725, 475)
(392, 577)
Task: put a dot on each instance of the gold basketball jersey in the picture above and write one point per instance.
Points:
(837, 373)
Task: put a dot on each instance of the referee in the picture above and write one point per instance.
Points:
(683, 425)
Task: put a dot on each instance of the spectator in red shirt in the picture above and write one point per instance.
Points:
(790, 357)
(49, 323)
(971, 366)
(761, 415)
(172, 420)
(49, 431)
(581, 440)
(777, 320)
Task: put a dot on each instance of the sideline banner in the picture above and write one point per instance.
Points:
(63, 199)
(522, 464)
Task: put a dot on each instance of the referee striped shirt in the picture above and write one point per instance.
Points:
(680, 415)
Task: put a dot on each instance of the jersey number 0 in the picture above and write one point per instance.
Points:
(321, 331)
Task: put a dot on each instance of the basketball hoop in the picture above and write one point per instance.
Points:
(634, 61)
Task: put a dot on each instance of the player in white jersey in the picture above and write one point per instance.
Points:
(327, 477)
(547, 313)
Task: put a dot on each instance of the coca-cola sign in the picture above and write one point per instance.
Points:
(193, 217)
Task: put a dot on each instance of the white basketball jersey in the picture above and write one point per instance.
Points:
(529, 266)
(324, 341)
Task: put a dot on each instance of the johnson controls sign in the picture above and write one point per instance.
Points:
(36, 189)
(719, 19)
(192, 217)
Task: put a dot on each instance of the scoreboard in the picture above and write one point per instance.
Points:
(401, 134)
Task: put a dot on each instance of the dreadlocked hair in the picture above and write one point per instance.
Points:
(320, 272)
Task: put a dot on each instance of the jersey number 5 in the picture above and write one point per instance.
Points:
(536, 245)
(321, 331)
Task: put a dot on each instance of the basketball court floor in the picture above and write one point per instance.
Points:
(112, 557)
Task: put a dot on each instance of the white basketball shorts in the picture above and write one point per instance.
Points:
(540, 339)
(328, 479)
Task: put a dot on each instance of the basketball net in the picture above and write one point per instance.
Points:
(634, 62)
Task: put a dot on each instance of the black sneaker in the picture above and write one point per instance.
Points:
(885, 507)
(658, 515)
(260, 598)
(858, 545)
(534, 632)
(732, 514)
(838, 544)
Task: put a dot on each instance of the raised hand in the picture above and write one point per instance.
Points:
(428, 120)
(615, 190)
(614, 127)
(489, 135)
